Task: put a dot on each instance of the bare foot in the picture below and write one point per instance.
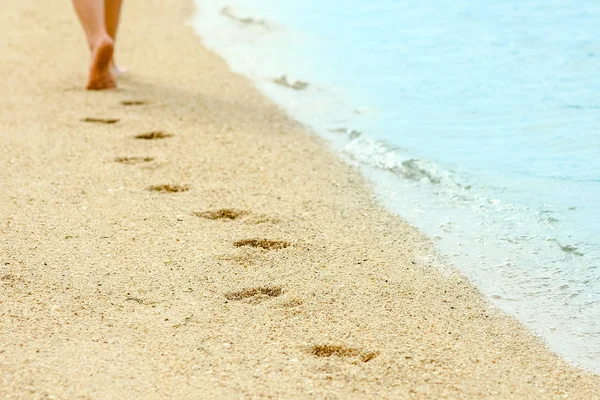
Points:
(101, 74)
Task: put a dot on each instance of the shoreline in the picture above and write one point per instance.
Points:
(524, 262)
(301, 286)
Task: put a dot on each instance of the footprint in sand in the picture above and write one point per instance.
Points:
(222, 213)
(134, 102)
(263, 243)
(255, 294)
(353, 134)
(297, 85)
(229, 214)
(133, 160)
(228, 12)
(169, 188)
(154, 135)
(343, 352)
(101, 120)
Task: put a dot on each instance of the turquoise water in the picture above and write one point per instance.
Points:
(478, 122)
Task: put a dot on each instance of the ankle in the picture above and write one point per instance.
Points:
(99, 40)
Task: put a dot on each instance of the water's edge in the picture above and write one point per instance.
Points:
(411, 187)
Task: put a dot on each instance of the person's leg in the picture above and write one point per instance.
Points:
(112, 13)
(91, 15)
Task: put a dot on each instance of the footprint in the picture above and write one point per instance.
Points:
(342, 351)
(293, 303)
(366, 357)
(353, 134)
(133, 160)
(297, 85)
(101, 120)
(136, 299)
(263, 219)
(226, 11)
(134, 102)
(263, 243)
(154, 135)
(169, 188)
(244, 259)
(256, 294)
(292, 307)
(12, 281)
(223, 213)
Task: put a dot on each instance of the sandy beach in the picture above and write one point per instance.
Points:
(181, 237)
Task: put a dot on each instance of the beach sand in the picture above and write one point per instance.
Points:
(237, 258)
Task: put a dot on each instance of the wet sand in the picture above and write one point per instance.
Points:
(181, 237)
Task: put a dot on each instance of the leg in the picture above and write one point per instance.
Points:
(112, 13)
(91, 15)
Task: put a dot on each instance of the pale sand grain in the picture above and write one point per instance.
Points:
(111, 291)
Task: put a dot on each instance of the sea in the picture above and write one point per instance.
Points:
(476, 121)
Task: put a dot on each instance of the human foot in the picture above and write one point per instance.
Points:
(101, 74)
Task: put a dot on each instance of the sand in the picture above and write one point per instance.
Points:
(228, 254)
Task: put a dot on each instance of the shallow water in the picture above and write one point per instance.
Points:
(479, 122)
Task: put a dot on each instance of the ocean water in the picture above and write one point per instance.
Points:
(478, 122)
